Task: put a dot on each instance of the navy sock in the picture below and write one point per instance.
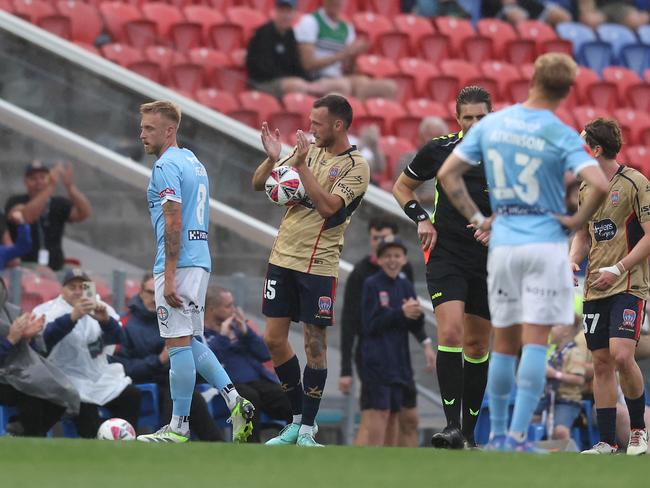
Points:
(314, 384)
(636, 408)
(289, 376)
(607, 424)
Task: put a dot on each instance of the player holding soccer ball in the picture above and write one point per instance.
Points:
(300, 283)
(178, 196)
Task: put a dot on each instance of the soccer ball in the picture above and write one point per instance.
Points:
(116, 430)
(283, 186)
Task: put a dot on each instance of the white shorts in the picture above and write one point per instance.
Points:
(191, 286)
(530, 284)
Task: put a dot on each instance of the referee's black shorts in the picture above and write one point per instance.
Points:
(450, 279)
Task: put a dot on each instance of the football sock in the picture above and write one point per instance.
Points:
(289, 376)
(211, 370)
(313, 384)
(606, 419)
(636, 408)
(531, 377)
(449, 368)
(475, 373)
(182, 376)
(501, 378)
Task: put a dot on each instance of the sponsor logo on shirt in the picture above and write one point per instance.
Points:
(614, 197)
(384, 298)
(167, 191)
(604, 230)
(197, 235)
(629, 317)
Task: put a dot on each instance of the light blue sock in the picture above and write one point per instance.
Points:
(531, 377)
(501, 378)
(182, 376)
(211, 370)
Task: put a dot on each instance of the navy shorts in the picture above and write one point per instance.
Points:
(376, 396)
(616, 316)
(301, 296)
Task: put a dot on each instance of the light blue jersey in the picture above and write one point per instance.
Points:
(526, 153)
(179, 176)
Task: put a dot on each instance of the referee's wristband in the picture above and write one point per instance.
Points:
(415, 212)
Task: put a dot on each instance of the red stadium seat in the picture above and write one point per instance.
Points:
(88, 47)
(287, 123)
(185, 77)
(603, 94)
(388, 109)
(209, 59)
(623, 78)
(372, 25)
(394, 148)
(231, 79)
(57, 24)
(238, 57)
(633, 122)
(218, 100)
(504, 73)
(556, 46)
(499, 31)
(227, 37)
(205, 16)
(415, 27)
(462, 70)
(423, 107)
(565, 116)
(637, 157)
(407, 127)
(537, 31)
(584, 114)
(121, 54)
(382, 7)
(125, 24)
(249, 19)
(307, 6)
(420, 70)
(516, 91)
(406, 87)
(85, 20)
(148, 69)
(6, 6)
(456, 29)
(32, 10)
(164, 15)
(248, 117)
(301, 103)
(164, 57)
(358, 108)
(520, 51)
(359, 123)
(443, 88)
(478, 48)
(394, 45)
(261, 5)
(376, 66)
(264, 103)
(434, 47)
(584, 78)
(220, 5)
(527, 70)
(638, 96)
(488, 83)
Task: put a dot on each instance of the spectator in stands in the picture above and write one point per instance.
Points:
(242, 352)
(624, 12)
(273, 62)
(328, 48)
(351, 332)
(517, 10)
(78, 328)
(48, 214)
(146, 360)
(430, 128)
(30, 382)
(368, 144)
(23, 241)
(433, 8)
(390, 309)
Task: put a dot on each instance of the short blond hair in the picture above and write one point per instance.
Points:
(554, 75)
(167, 109)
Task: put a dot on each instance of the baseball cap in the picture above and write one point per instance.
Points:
(35, 166)
(75, 274)
(286, 3)
(390, 241)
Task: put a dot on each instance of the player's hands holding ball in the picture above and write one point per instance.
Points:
(271, 142)
(411, 308)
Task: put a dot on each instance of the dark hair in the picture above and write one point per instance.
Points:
(605, 133)
(337, 106)
(379, 223)
(146, 277)
(473, 94)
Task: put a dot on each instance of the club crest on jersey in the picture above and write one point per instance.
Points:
(163, 313)
(324, 306)
(384, 298)
(629, 317)
(334, 172)
(614, 197)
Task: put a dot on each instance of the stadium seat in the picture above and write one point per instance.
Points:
(638, 96)
(6, 6)
(209, 59)
(125, 24)
(637, 157)
(306, 6)
(57, 24)
(164, 15)
(205, 16)
(32, 10)
(443, 88)
(185, 77)
(220, 5)
(85, 21)
(596, 55)
(388, 109)
(516, 91)
(148, 69)
(249, 19)
(164, 57)
(288, 123)
(37, 289)
(499, 31)
(372, 24)
(149, 407)
(461, 69)
(617, 35)
(420, 70)
(376, 66)
(360, 122)
(218, 100)
(556, 46)
(186, 35)
(261, 5)
(603, 94)
(424, 107)
(565, 116)
(536, 31)
(434, 47)
(415, 27)
(584, 114)
(584, 78)
(407, 127)
(457, 30)
(477, 48)
(121, 54)
(382, 7)
(248, 117)
(358, 108)
(88, 47)
(623, 78)
(231, 79)
(263, 103)
(488, 83)
(634, 122)
(238, 58)
(227, 37)
(301, 103)
(505, 74)
(393, 148)
(394, 45)
(636, 57)
(577, 33)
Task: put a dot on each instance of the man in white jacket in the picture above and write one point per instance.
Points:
(77, 330)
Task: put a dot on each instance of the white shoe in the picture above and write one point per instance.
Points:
(165, 434)
(601, 448)
(638, 442)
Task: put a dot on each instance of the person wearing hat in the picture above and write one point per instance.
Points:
(47, 213)
(76, 331)
(272, 59)
(389, 310)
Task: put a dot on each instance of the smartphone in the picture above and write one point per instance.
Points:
(89, 290)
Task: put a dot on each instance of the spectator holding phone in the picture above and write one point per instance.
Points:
(78, 327)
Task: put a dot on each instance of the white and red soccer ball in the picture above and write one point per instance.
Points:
(283, 186)
(116, 430)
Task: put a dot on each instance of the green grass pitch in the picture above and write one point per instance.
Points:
(51, 463)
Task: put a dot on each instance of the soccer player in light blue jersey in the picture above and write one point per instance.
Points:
(526, 150)
(178, 197)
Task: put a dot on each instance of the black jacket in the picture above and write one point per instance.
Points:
(272, 55)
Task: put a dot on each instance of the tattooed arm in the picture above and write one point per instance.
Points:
(451, 179)
(173, 227)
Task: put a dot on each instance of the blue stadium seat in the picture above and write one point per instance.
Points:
(6, 413)
(149, 407)
(596, 55)
(617, 35)
(577, 33)
(636, 57)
